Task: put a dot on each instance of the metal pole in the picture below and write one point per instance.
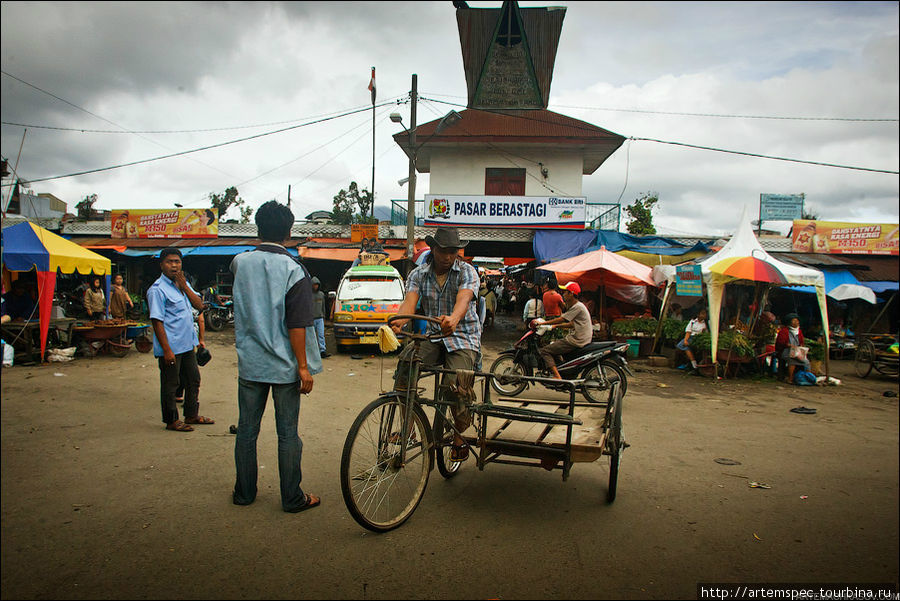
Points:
(373, 156)
(289, 195)
(411, 199)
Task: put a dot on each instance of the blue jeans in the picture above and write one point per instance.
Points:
(319, 323)
(252, 398)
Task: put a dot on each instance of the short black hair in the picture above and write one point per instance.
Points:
(274, 222)
(169, 251)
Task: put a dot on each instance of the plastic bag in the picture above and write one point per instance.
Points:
(799, 352)
(804, 378)
(8, 354)
(61, 355)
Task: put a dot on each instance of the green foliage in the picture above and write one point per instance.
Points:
(85, 207)
(816, 350)
(639, 325)
(641, 213)
(223, 202)
(347, 202)
(673, 329)
(728, 341)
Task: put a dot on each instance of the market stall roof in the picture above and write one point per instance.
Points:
(600, 267)
(26, 246)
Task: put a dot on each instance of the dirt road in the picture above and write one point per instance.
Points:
(99, 501)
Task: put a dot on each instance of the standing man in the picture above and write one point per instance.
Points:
(170, 299)
(576, 317)
(277, 350)
(447, 287)
(318, 300)
(553, 301)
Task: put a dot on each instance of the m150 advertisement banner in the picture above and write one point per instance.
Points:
(545, 212)
(846, 238)
(165, 223)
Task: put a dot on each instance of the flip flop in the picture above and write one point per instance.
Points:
(311, 501)
(803, 410)
(179, 426)
(199, 419)
(459, 453)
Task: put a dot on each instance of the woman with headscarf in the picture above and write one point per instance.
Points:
(788, 343)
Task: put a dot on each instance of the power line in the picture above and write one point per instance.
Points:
(179, 131)
(821, 164)
(716, 115)
(209, 147)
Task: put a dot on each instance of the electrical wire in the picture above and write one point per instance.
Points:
(716, 115)
(202, 148)
(714, 149)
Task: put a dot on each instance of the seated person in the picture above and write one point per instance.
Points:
(790, 337)
(694, 326)
(18, 304)
(576, 316)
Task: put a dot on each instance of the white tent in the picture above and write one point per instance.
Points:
(745, 244)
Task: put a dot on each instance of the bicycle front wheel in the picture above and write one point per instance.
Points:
(384, 471)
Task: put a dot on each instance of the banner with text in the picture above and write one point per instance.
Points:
(781, 207)
(688, 280)
(846, 238)
(551, 212)
(166, 223)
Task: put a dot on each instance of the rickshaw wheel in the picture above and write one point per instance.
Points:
(614, 442)
(443, 443)
(865, 357)
(143, 344)
(379, 490)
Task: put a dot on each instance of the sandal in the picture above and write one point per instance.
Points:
(459, 452)
(311, 501)
(199, 419)
(179, 426)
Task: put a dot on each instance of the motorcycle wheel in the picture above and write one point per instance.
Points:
(610, 372)
(214, 320)
(504, 367)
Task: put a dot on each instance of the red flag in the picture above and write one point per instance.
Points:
(372, 85)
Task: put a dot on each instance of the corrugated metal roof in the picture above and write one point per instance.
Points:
(880, 268)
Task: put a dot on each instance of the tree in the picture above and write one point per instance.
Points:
(230, 199)
(85, 207)
(641, 213)
(347, 201)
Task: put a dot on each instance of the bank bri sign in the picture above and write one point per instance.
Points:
(532, 212)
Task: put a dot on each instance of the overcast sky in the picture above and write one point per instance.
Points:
(179, 66)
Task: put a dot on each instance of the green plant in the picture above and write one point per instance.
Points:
(728, 341)
(638, 325)
(816, 351)
(673, 329)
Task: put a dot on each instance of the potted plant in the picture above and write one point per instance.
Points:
(816, 356)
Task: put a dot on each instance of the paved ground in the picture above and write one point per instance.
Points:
(99, 501)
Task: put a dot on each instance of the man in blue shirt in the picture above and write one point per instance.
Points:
(277, 349)
(170, 299)
(446, 286)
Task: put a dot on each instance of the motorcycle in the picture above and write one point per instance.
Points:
(598, 364)
(217, 315)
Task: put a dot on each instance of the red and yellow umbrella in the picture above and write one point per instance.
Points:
(749, 268)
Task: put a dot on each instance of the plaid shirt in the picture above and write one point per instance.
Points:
(435, 302)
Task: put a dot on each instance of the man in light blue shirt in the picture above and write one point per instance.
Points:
(277, 349)
(170, 299)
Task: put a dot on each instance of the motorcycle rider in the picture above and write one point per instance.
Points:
(577, 317)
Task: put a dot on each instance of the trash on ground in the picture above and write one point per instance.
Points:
(724, 461)
(755, 484)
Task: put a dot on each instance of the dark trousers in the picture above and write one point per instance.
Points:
(184, 371)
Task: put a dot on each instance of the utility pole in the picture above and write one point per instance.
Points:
(289, 195)
(411, 199)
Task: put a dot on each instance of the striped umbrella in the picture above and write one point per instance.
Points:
(749, 268)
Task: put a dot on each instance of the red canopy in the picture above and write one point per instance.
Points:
(600, 268)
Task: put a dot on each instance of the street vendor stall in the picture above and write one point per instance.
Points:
(743, 258)
(27, 246)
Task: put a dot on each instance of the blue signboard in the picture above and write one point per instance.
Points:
(781, 207)
(688, 280)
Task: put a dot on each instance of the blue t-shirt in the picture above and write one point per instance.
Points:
(171, 306)
(272, 293)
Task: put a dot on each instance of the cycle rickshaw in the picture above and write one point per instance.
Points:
(874, 350)
(391, 448)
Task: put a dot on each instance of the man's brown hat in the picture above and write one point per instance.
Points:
(445, 237)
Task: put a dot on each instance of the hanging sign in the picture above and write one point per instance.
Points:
(168, 223)
(781, 207)
(846, 238)
(688, 280)
(551, 212)
(363, 231)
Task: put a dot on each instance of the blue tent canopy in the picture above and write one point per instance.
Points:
(556, 245)
(833, 279)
